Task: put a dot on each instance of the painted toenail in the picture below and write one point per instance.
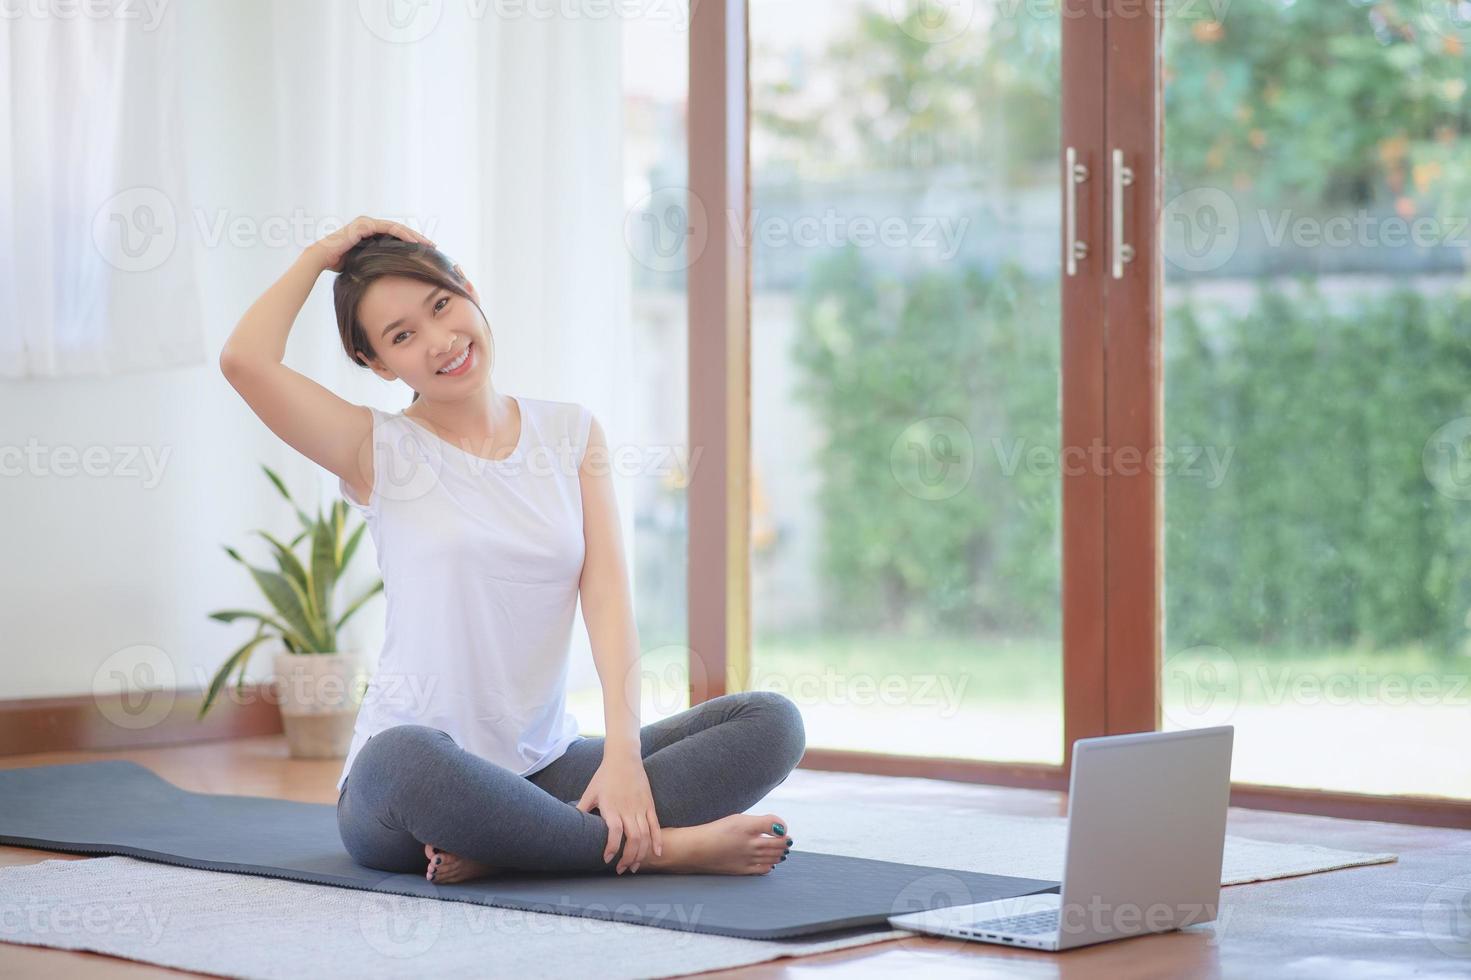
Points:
(777, 828)
(783, 858)
(438, 859)
(789, 842)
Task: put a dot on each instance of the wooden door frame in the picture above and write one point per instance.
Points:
(1112, 396)
(719, 308)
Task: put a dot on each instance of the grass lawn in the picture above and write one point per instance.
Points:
(1386, 721)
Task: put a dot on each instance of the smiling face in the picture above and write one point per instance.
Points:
(417, 328)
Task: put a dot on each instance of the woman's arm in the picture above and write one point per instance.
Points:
(331, 431)
(607, 603)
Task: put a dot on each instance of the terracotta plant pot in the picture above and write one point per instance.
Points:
(319, 695)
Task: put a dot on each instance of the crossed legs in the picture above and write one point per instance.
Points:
(412, 789)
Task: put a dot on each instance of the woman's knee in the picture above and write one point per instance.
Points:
(394, 759)
(787, 731)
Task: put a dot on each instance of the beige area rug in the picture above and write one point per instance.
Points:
(254, 926)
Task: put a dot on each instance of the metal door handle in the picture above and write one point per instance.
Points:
(1076, 174)
(1122, 251)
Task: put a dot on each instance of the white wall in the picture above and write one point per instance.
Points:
(98, 564)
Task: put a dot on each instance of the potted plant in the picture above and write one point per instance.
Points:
(318, 687)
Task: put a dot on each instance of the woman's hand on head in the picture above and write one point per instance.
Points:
(329, 250)
(620, 791)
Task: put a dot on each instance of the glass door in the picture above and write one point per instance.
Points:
(1316, 317)
(906, 361)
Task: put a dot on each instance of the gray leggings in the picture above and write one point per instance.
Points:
(412, 785)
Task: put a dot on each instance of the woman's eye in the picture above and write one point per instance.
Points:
(403, 334)
(442, 299)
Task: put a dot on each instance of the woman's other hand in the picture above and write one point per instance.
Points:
(620, 791)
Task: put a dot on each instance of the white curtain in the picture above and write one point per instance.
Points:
(499, 136)
(96, 260)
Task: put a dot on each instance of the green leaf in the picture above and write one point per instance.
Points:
(350, 547)
(290, 603)
(324, 566)
(291, 566)
(238, 658)
(305, 521)
(286, 632)
(359, 601)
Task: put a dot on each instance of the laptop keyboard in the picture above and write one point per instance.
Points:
(1022, 925)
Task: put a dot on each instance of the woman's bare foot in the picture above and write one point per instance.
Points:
(740, 844)
(446, 868)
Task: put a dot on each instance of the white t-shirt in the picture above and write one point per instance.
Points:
(481, 561)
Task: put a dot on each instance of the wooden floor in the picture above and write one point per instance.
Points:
(1381, 921)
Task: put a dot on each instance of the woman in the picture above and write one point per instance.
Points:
(491, 514)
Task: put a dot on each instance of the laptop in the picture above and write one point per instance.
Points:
(1145, 839)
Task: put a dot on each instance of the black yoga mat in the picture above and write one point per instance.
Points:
(120, 807)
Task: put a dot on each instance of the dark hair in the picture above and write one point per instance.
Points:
(384, 255)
